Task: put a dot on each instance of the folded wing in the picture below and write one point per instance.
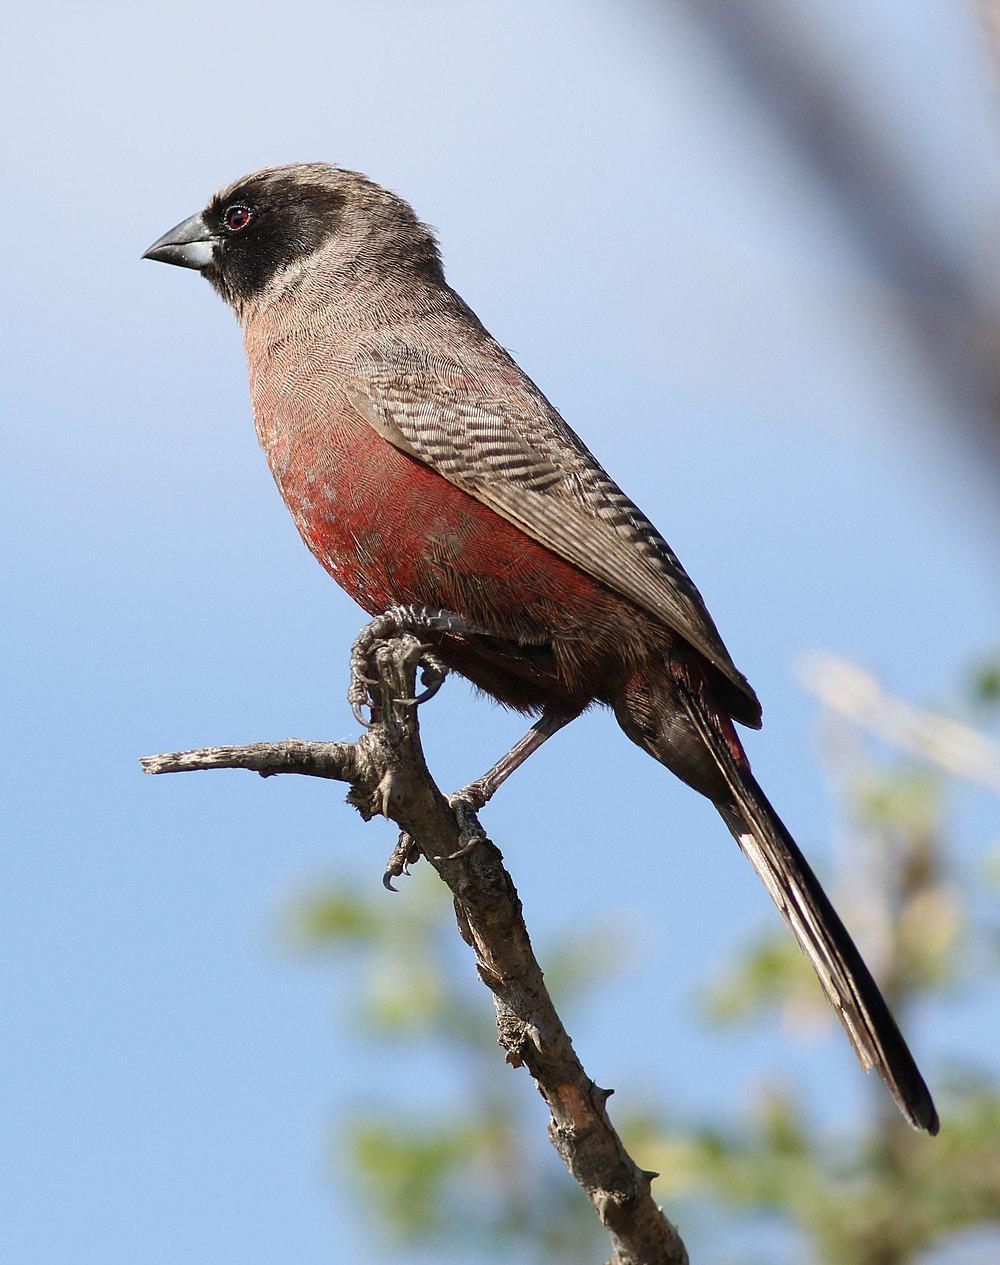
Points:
(514, 453)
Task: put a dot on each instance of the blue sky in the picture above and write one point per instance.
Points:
(625, 223)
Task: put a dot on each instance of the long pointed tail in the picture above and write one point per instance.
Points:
(821, 935)
(674, 722)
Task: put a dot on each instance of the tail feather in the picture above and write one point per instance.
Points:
(816, 926)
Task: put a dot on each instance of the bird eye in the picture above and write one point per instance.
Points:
(237, 217)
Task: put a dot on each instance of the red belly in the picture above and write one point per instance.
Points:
(390, 530)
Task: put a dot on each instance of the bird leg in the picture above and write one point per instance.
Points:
(467, 802)
(478, 794)
(470, 799)
(396, 620)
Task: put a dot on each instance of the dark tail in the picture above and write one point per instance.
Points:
(672, 718)
(821, 935)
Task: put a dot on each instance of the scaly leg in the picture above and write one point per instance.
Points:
(467, 802)
(479, 793)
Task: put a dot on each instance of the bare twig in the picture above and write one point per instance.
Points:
(388, 776)
(315, 759)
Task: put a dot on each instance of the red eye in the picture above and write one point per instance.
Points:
(238, 217)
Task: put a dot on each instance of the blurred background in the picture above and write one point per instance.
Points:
(750, 252)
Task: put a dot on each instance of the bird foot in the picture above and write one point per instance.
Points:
(396, 620)
(474, 796)
(364, 644)
(433, 673)
(405, 854)
(465, 804)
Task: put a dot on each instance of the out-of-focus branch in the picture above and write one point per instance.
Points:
(989, 13)
(938, 739)
(948, 300)
(389, 776)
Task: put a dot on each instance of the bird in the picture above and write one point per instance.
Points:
(433, 480)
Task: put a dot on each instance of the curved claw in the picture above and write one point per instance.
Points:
(463, 849)
(423, 696)
(429, 692)
(357, 694)
(359, 715)
(404, 854)
(433, 674)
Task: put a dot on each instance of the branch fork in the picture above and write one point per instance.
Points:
(388, 776)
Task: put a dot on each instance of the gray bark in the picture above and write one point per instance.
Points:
(388, 776)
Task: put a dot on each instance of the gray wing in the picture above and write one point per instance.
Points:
(507, 446)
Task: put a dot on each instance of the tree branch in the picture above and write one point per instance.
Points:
(389, 776)
(950, 305)
(989, 16)
(931, 736)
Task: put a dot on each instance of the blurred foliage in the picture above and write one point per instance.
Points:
(985, 684)
(479, 1169)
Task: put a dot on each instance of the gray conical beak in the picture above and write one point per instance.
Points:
(190, 244)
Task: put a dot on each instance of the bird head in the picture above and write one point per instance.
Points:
(261, 235)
